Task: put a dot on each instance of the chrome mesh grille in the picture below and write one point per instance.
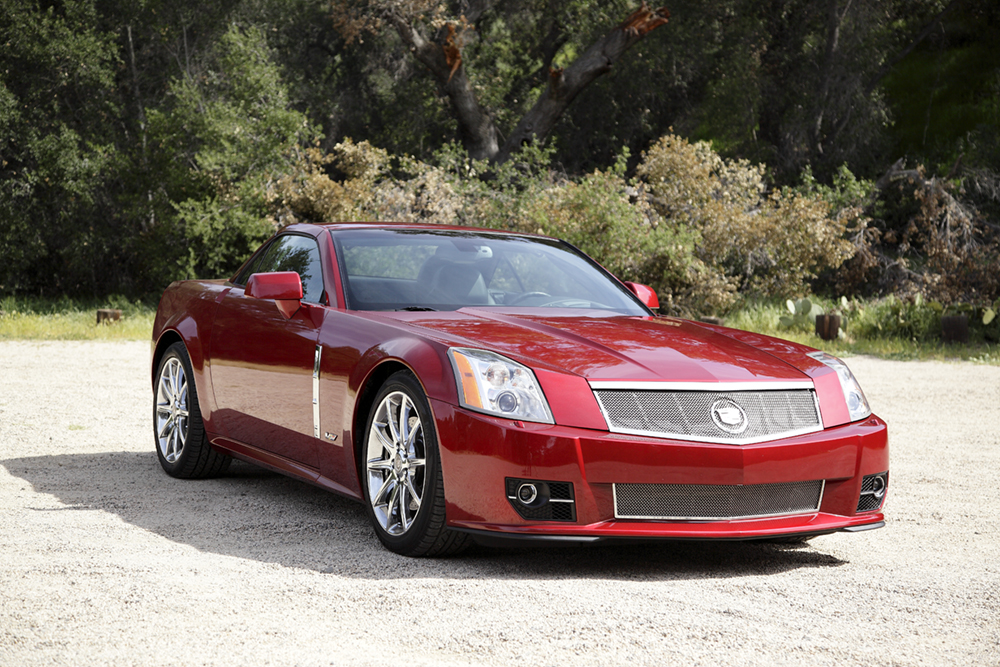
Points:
(715, 501)
(688, 415)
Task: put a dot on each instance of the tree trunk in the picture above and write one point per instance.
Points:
(478, 133)
(566, 84)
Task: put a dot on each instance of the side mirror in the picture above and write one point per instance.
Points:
(285, 287)
(645, 294)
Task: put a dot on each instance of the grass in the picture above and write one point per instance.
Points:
(888, 329)
(66, 319)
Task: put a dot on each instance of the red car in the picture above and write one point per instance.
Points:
(467, 384)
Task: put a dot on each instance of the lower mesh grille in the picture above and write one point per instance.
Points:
(715, 501)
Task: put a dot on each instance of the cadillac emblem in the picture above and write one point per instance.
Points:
(729, 416)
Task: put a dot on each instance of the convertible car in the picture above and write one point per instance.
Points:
(471, 385)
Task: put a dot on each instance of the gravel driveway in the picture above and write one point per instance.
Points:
(104, 560)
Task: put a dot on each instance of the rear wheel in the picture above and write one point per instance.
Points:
(401, 473)
(181, 444)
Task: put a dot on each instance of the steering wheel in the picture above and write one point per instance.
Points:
(527, 295)
(576, 303)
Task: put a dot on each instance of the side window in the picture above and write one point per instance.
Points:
(299, 254)
(249, 270)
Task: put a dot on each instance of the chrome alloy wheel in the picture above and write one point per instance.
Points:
(396, 463)
(172, 410)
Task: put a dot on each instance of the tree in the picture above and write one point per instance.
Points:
(444, 54)
(57, 163)
(226, 130)
(802, 82)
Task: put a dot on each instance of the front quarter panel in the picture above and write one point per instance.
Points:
(358, 354)
(186, 313)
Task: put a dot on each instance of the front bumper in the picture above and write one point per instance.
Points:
(479, 453)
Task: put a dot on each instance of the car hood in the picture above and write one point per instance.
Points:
(599, 345)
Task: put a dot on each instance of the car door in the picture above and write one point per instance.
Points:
(263, 363)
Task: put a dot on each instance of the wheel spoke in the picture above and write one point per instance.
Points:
(413, 493)
(379, 498)
(401, 504)
(167, 427)
(379, 464)
(404, 421)
(393, 427)
(387, 445)
(171, 445)
(171, 377)
(165, 392)
(412, 436)
(392, 504)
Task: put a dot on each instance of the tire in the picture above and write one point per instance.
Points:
(400, 468)
(178, 431)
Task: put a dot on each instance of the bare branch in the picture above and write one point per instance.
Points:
(478, 133)
(565, 85)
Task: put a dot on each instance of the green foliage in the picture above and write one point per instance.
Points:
(918, 319)
(766, 243)
(803, 314)
(56, 157)
(23, 318)
(947, 88)
(598, 215)
(224, 135)
(847, 192)
(763, 317)
(142, 141)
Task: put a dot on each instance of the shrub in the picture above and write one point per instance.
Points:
(771, 244)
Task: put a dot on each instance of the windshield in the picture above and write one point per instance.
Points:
(421, 269)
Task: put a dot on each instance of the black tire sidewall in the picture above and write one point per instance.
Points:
(411, 541)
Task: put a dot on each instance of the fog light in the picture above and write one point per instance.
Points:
(527, 493)
(873, 488)
(538, 500)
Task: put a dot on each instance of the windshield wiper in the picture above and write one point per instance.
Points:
(416, 309)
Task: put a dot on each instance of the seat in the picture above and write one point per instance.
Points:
(451, 282)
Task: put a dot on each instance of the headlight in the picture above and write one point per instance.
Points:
(857, 404)
(490, 383)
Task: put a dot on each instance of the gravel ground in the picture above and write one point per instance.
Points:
(106, 560)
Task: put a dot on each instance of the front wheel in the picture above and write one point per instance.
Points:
(181, 444)
(401, 473)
